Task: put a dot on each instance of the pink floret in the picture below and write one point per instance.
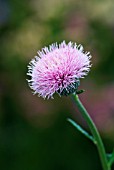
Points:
(58, 67)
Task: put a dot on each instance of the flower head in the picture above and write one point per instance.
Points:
(58, 69)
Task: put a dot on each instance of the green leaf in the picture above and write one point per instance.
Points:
(78, 127)
(80, 91)
(111, 158)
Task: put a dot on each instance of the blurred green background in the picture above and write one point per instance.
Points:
(34, 133)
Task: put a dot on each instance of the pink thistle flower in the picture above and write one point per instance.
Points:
(58, 69)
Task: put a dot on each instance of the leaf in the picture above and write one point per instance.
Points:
(111, 158)
(80, 91)
(78, 127)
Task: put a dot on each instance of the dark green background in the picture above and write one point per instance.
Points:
(34, 133)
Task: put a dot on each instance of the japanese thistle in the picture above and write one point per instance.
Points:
(58, 69)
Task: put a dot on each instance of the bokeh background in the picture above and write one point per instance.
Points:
(34, 133)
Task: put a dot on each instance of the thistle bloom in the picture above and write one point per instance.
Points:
(58, 69)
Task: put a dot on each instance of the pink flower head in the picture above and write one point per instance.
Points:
(58, 69)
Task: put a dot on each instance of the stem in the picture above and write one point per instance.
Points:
(95, 133)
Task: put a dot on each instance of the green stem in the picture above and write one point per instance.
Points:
(95, 133)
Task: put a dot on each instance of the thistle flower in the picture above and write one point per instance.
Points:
(57, 69)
